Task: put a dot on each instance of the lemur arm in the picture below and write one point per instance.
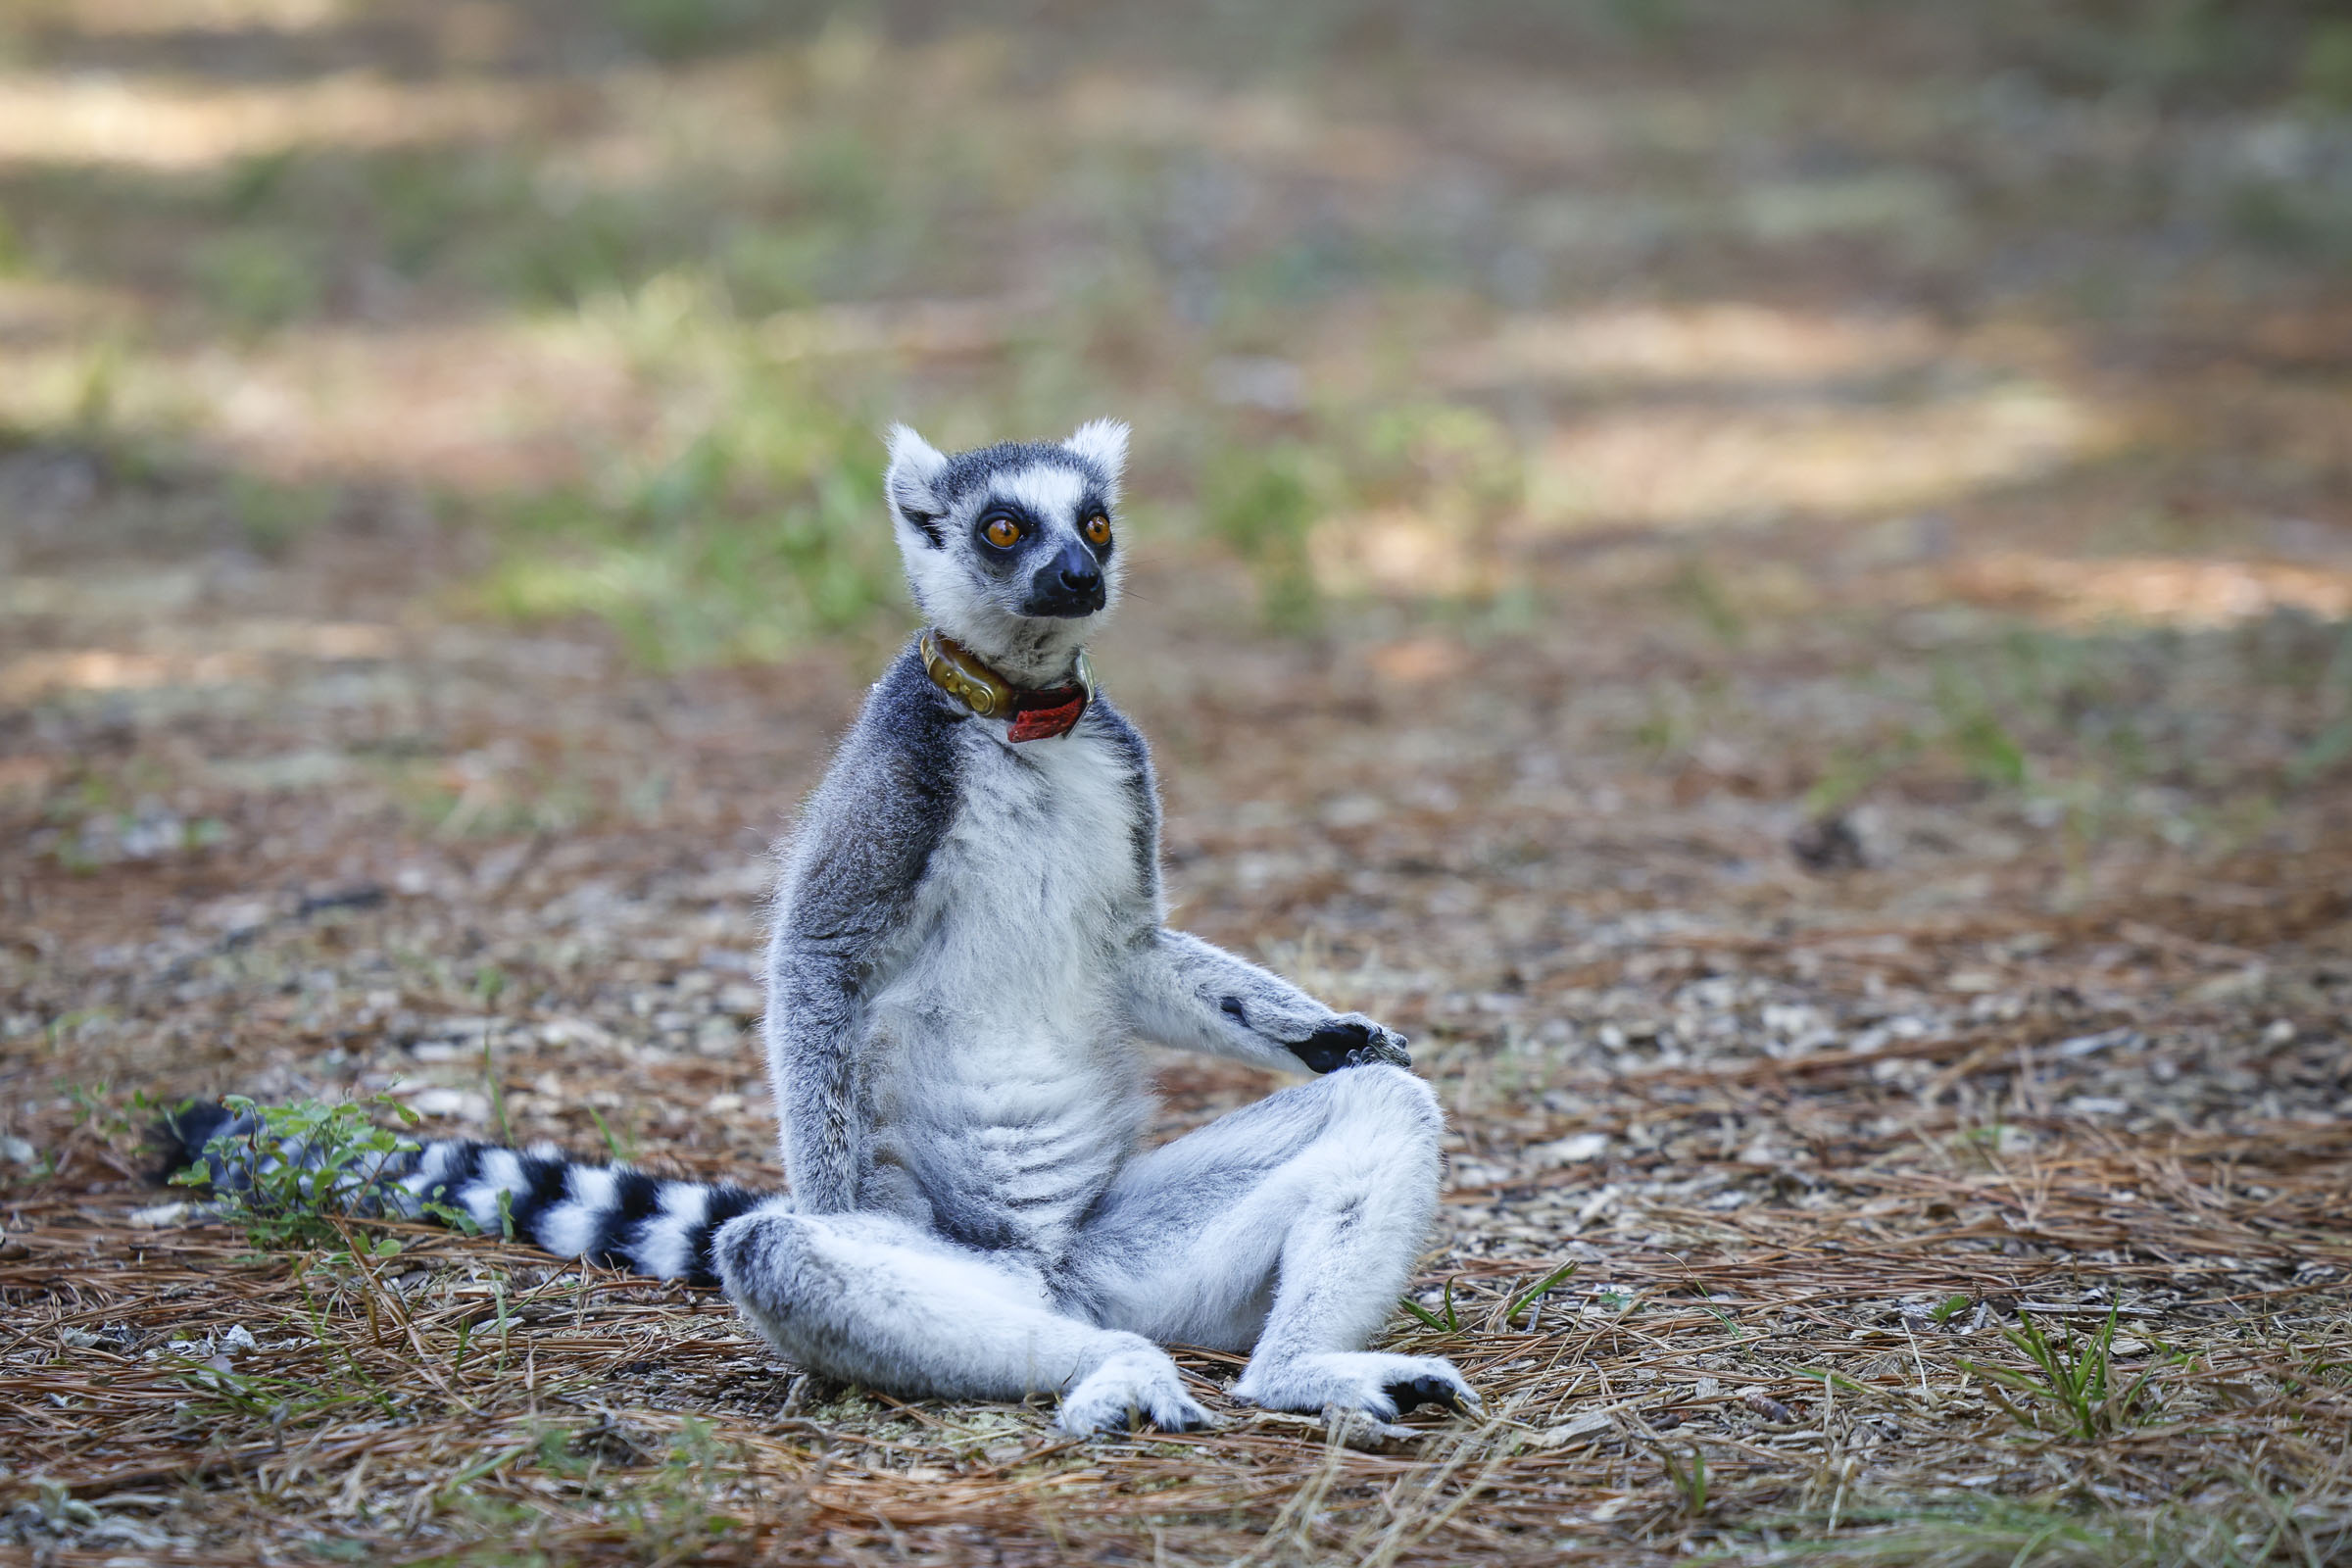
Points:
(864, 843)
(815, 1013)
(1187, 992)
(1184, 992)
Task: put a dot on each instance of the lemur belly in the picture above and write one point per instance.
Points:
(1003, 1083)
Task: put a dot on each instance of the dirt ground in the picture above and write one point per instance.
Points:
(1773, 584)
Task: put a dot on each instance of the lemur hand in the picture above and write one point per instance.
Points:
(1349, 1040)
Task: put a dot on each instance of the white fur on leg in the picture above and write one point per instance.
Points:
(873, 1299)
(1288, 1226)
(1138, 1383)
(1374, 1382)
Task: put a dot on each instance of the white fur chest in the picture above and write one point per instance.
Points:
(1032, 883)
(1001, 1071)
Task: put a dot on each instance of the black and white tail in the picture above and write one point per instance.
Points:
(609, 1214)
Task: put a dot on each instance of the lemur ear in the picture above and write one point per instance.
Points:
(916, 465)
(1103, 443)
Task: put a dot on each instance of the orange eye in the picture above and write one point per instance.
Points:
(1097, 530)
(1002, 531)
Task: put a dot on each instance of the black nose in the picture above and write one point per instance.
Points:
(1070, 584)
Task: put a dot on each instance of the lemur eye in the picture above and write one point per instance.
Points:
(1098, 529)
(1002, 531)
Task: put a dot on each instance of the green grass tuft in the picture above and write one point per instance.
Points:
(308, 1168)
(2072, 1376)
(1264, 504)
(759, 532)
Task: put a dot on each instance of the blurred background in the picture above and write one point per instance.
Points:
(1770, 580)
(1604, 467)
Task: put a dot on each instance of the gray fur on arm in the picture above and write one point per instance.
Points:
(813, 1016)
(1190, 994)
(866, 841)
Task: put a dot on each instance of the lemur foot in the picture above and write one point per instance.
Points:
(1350, 1040)
(1373, 1383)
(1131, 1385)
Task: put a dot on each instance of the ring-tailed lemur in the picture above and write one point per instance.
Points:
(967, 942)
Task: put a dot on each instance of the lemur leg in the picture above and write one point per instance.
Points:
(1290, 1226)
(873, 1298)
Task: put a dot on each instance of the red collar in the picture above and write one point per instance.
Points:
(1037, 713)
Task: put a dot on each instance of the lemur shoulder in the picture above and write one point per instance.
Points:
(967, 943)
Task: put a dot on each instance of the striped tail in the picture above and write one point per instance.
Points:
(609, 1214)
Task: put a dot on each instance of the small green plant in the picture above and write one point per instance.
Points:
(1689, 1479)
(1450, 1323)
(670, 1517)
(1975, 731)
(671, 30)
(1730, 1324)
(1540, 1290)
(60, 1509)
(1853, 771)
(1698, 590)
(95, 1108)
(258, 280)
(2326, 68)
(1832, 1382)
(1950, 1308)
(2071, 1374)
(219, 1394)
(623, 1151)
(2333, 743)
(1264, 506)
(1993, 1138)
(302, 1170)
(271, 517)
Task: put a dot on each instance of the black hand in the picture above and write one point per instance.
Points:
(1350, 1042)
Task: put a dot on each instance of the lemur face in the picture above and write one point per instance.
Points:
(1011, 550)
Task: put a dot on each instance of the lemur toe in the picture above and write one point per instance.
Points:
(1192, 1418)
(1413, 1392)
(1385, 1048)
(1159, 1415)
(1126, 1391)
(1376, 1383)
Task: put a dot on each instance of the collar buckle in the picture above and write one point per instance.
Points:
(1035, 714)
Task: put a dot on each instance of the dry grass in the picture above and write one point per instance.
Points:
(1790, 1280)
(1769, 586)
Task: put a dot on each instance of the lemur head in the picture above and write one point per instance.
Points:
(1010, 549)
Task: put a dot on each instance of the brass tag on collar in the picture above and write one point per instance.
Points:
(975, 688)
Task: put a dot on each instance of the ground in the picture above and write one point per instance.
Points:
(1773, 584)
